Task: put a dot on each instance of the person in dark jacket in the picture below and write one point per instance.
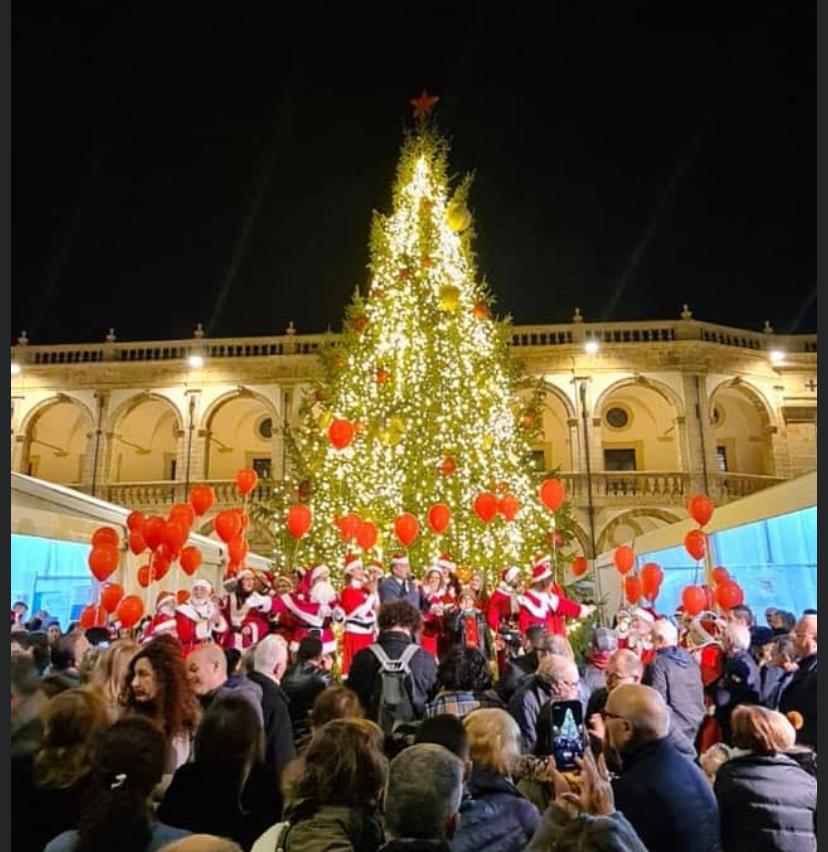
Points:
(676, 676)
(399, 585)
(776, 676)
(533, 643)
(207, 673)
(267, 664)
(302, 684)
(399, 621)
(800, 695)
(494, 816)
(766, 799)
(740, 683)
(665, 797)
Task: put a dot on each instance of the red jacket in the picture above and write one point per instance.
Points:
(546, 609)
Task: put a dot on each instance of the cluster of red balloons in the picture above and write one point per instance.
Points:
(726, 593)
(487, 506)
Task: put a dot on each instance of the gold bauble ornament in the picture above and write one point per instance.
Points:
(488, 441)
(458, 217)
(449, 298)
(325, 419)
(391, 431)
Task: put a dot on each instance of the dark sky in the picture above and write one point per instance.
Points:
(626, 162)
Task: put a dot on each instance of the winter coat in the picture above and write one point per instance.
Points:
(677, 677)
(605, 832)
(301, 684)
(766, 802)
(363, 676)
(392, 589)
(511, 677)
(773, 681)
(331, 828)
(667, 800)
(740, 684)
(240, 686)
(593, 678)
(161, 836)
(279, 748)
(525, 707)
(801, 695)
(494, 816)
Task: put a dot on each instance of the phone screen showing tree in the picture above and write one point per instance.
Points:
(568, 734)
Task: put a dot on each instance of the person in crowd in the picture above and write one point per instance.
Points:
(556, 679)
(116, 812)
(666, 797)
(465, 682)
(399, 585)
(509, 650)
(766, 800)
(202, 843)
(97, 637)
(784, 659)
(399, 622)
(676, 676)
(540, 604)
(740, 683)
(67, 656)
(533, 645)
(18, 615)
(494, 817)
(603, 643)
(110, 672)
(207, 673)
(53, 782)
(267, 662)
(53, 631)
(226, 790)
(770, 612)
(800, 695)
(303, 682)
(156, 687)
(27, 704)
(422, 799)
(34, 646)
(447, 731)
(466, 626)
(334, 803)
(477, 585)
(761, 645)
(783, 622)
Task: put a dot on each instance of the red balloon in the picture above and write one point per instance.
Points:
(407, 527)
(154, 531)
(228, 525)
(135, 521)
(696, 544)
(129, 611)
(104, 536)
(299, 520)
(246, 480)
(367, 535)
(341, 433)
(719, 574)
(190, 560)
(729, 594)
(238, 549)
(579, 566)
(184, 514)
(144, 576)
(439, 516)
(202, 499)
(160, 565)
(651, 579)
(624, 558)
(693, 599)
(103, 561)
(632, 589)
(552, 492)
(136, 543)
(92, 616)
(485, 505)
(174, 535)
(701, 509)
(349, 526)
(182, 596)
(508, 506)
(111, 595)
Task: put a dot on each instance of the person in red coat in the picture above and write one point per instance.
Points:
(199, 620)
(543, 607)
(435, 601)
(246, 611)
(311, 609)
(358, 603)
(703, 644)
(164, 620)
(640, 635)
(502, 607)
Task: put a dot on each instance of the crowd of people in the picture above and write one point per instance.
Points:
(400, 715)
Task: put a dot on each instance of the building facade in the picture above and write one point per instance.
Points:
(637, 416)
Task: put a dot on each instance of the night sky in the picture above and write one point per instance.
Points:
(170, 167)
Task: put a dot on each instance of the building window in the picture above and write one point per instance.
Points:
(262, 466)
(538, 460)
(623, 459)
(170, 466)
(721, 459)
(617, 417)
(264, 428)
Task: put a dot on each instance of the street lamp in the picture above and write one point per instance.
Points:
(15, 369)
(776, 356)
(591, 347)
(195, 362)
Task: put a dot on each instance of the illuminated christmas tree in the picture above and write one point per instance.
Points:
(419, 402)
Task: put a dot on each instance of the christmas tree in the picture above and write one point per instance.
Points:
(419, 403)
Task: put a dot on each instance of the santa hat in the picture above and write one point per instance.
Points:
(510, 574)
(317, 572)
(645, 614)
(245, 572)
(375, 568)
(399, 559)
(202, 583)
(446, 563)
(542, 569)
(164, 597)
(434, 570)
(353, 563)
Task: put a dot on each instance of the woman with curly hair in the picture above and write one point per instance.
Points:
(465, 679)
(109, 674)
(156, 686)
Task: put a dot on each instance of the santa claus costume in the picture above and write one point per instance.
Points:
(309, 611)
(435, 602)
(503, 608)
(467, 628)
(359, 604)
(702, 643)
(199, 620)
(164, 619)
(639, 638)
(246, 611)
(541, 606)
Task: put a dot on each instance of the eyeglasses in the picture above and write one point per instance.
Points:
(605, 714)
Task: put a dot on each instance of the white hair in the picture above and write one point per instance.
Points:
(666, 630)
(737, 636)
(269, 653)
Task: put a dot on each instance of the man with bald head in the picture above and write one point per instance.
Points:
(665, 797)
(800, 694)
(207, 672)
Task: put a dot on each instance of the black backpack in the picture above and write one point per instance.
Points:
(392, 703)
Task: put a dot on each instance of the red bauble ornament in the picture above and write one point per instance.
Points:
(359, 323)
(485, 506)
(341, 433)
(579, 566)
(382, 376)
(480, 311)
(439, 516)
(448, 466)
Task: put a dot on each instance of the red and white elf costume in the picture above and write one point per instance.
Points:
(246, 611)
(503, 607)
(310, 609)
(200, 619)
(541, 606)
(164, 619)
(435, 600)
(359, 610)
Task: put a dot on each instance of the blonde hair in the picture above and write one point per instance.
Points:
(110, 672)
(494, 740)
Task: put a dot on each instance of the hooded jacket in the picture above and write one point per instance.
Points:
(677, 677)
(740, 684)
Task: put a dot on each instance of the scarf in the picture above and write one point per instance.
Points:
(599, 659)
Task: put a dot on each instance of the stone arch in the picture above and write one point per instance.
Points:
(556, 447)
(743, 424)
(633, 519)
(664, 390)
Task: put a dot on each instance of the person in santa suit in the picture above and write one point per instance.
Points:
(466, 626)
(359, 604)
(639, 638)
(164, 619)
(539, 605)
(503, 608)
(246, 611)
(199, 620)
(451, 584)
(435, 601)
(702, 641)
(310, 610)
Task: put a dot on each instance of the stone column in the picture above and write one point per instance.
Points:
(700, 440)
(95, 474)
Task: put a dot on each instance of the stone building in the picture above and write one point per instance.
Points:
(637, 417)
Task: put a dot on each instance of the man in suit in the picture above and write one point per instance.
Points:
(800, 695)
(399, 585)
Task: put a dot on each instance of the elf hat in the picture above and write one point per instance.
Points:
(542, 569)
(510, 574)
(353, 564)
(645, 614)
(446, 563)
